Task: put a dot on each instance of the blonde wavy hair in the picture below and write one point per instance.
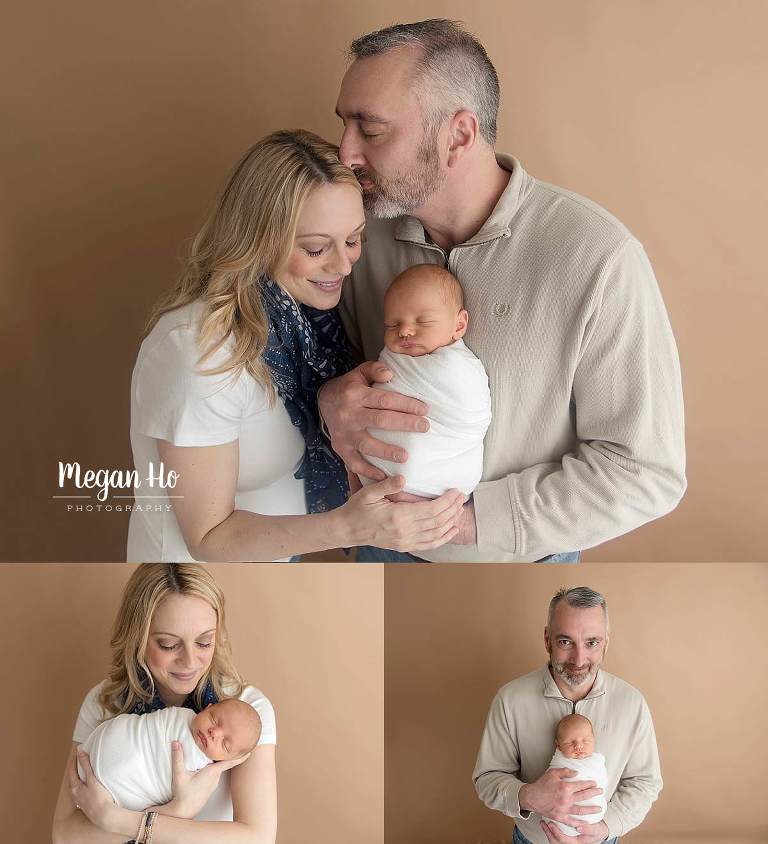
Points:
(147, 587)
(248, 237)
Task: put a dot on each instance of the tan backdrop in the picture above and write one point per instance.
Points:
(688, 636)
(310, 637)
(120, 122)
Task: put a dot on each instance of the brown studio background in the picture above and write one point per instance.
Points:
(310, 637)
(687, 636)
(120, 123)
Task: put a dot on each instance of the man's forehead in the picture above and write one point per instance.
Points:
(585, 620)
(377, 88)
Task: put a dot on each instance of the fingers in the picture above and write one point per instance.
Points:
(389, 486)
(85, 764)
(232, 763)
(370, 446)
(554, 835)
(355, 463)
(394, 412)
(375, 370)
(74, 776)
(177, 758)
(566, 773)
(584, 810)
(354, 483)
(438, 542)
(449, 502)
(589, 790)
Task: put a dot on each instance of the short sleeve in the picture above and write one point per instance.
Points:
(173, 397)
(264, 708)
(90, 716)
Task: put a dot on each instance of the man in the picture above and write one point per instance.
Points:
(511, 771)
(586, 440)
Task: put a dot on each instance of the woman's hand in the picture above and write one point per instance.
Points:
(90, 796)
(402, 526)
(192, 789)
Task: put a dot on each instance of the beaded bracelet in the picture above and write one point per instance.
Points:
(142, 829)
(149, 827)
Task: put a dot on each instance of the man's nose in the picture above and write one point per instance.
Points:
(349, 149)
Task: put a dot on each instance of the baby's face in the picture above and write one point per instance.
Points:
(418, 320)
(221, 732)
(576, 741)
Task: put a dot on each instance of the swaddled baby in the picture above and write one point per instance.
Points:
(424, 321)
(575, 743)
(131, 754)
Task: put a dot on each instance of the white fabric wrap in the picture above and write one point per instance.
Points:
(589, 768)
(131, 755)
(453, 382)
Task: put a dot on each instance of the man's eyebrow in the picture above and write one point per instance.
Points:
(321, 234)
(365, 116)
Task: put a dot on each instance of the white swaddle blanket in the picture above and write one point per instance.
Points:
(454, 383)
(589, 768)
(131, 755)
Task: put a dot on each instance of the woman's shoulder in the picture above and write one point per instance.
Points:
(177, 333)
(261, 703)
(91, 714)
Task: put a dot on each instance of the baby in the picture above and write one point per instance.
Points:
(424, 321)
(575, 743)
(131, 754)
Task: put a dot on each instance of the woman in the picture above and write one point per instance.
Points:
(224, 389)
(170, 648)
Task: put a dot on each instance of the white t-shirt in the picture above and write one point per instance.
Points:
(219, 805)
(171, 400)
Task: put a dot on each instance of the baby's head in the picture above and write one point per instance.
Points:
(226, 730)
(423, 310)
(574, 737)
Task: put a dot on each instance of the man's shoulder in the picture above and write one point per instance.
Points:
(578, 215)
(617, 687)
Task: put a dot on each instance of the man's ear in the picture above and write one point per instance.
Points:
(462, 320)
(546, 640)
(463, 130)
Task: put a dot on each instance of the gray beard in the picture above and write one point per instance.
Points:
(408, 189)
(569, 679)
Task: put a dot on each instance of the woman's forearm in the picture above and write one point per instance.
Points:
(77, 829)
(245, 536)
(169, 830)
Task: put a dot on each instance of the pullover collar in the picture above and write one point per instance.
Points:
(550, 689)
(497, 225)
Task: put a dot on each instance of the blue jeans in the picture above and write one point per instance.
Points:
(519, 838)
(371, 554)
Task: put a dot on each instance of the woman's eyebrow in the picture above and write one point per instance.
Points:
(322, 234)
(176, 635)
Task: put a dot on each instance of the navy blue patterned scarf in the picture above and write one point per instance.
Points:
(306, 347)
(141, 708)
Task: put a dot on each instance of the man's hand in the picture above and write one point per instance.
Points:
(552, 796)
(590, 833)
(349, 406)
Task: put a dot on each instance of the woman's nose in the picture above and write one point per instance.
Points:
(339, 262)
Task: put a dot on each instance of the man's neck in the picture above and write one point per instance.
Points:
(568, 692)
(464, 203)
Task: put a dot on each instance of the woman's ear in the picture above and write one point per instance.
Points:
(462, 320)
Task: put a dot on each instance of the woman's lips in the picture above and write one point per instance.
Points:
(327, 286)
(184, 678)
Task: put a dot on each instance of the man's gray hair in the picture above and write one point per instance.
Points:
(453, 71)
(581, 597)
